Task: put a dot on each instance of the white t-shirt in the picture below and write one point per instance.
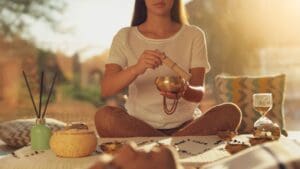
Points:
(187, 48)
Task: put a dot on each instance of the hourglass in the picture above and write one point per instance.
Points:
(264, 127)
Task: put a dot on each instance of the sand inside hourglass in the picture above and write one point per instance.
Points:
(267, 130)
(264, 127)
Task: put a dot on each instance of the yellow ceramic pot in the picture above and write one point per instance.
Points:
(73, 142)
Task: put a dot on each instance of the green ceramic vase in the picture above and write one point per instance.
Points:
(40, 135)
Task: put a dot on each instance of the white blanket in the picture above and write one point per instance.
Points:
(193, 151)
(26, 158)
(283, 154)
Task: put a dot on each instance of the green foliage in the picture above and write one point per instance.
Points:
(17, 15)
(90, 94)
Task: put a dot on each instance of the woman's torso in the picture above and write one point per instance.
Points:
(144, 100)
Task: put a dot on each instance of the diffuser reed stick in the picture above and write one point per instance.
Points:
(41, 94)
(30, 93)
(39, 114)
(51, 89)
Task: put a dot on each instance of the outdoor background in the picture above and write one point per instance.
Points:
(72, 37)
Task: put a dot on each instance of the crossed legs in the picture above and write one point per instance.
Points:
(115, 122)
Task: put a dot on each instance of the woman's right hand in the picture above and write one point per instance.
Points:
(149, 59)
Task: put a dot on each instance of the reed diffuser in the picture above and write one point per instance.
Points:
(40, 133)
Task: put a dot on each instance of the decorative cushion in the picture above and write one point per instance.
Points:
(16, 133)
(239, 90)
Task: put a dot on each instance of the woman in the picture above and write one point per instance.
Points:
(159, 29)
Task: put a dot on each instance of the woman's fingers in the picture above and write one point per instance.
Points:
(149, 59)
(170, 95)
(151, 64)
(154, 59)
(156, 53)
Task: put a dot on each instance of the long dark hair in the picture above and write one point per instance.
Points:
(140, 13)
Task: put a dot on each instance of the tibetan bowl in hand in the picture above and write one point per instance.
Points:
(171, 84)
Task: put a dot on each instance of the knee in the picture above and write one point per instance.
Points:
(107, 110)
(101, 113)
(231, 110)
(103, 118)
(225, 110)
(234, 113)
(228, 112)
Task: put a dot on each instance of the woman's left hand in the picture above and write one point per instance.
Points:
(171, 95)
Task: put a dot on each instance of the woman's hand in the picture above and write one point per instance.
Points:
(195, 89)
(150, 59)
(171, 95)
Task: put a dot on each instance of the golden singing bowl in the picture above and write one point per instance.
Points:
(174, 84)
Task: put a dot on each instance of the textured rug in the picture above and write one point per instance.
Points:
(5, 150)
(193, 152)
(25, 158)
(283, 154)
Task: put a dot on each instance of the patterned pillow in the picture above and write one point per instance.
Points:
(239, 90)
(16, 133)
